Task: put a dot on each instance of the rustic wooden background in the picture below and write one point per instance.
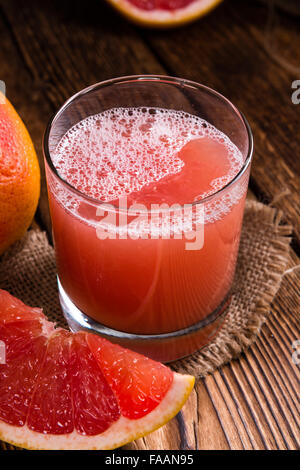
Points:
(52, 49)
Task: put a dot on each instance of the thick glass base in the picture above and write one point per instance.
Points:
(165, 347)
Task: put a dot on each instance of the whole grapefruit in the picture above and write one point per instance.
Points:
(19, 176)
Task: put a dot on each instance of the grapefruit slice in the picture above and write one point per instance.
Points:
(163, 13)
(62, 390)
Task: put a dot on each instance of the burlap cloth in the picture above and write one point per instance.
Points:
(28, 271)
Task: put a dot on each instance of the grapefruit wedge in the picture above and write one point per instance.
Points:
(63, 390)
(163, 13)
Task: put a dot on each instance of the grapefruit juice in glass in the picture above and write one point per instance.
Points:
(147, 178)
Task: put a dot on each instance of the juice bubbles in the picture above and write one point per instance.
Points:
(146, 283)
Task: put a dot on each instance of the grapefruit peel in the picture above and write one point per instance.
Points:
(161, 18)
(120, 433)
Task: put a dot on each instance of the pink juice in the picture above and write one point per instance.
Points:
(146, 285)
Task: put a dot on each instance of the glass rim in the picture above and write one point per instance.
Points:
(132, 79)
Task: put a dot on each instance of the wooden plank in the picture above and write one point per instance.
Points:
(225, 51)
(225, 417)
(262, 387)
(248, 439)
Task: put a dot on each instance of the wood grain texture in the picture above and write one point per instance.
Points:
(50, 50)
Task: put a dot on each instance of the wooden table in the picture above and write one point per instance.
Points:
(51, 49)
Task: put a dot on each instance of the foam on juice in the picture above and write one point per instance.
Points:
(137, 152)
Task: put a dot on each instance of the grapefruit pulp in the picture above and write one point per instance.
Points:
(60, 390)
(163, 13)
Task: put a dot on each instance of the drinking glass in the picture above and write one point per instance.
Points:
(154, 294)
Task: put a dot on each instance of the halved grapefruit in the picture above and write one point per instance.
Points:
(163, 13)
(60, 390)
